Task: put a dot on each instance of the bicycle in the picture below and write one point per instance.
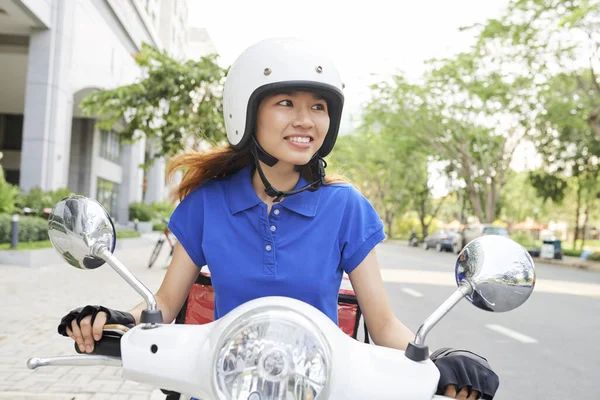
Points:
(165, 236)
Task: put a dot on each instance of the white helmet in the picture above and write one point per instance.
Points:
(275, 64)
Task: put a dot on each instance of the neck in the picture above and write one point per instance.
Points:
(281, 176)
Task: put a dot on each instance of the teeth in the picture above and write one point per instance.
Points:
(300, 139)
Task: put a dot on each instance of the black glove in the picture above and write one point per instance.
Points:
(113, 317)
(463, 368)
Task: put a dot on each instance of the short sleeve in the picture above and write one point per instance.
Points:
(187, 224)
(361, 230)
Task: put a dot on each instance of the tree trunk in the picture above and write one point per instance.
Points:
(491, 194)
(422, 211)
(389, 221)
(475, 199)
(583, 229)
(577, 211)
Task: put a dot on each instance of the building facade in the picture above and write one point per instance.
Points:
(52, 54)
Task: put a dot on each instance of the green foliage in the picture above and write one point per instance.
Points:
(160, 226)
(175, 104)
(572, 252)
(38, 199)
(163, 210)
(518, 199)
(548, 186)
(31, 229)
(128, 233)
(384, 167)
(8, 193)
(8, 197)
(23, 246)
(525, 239)
(141, 211)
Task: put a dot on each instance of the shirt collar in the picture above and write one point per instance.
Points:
(242, 195)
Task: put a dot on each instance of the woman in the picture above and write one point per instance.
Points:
(262, 214)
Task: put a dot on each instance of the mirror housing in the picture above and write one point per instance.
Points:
(76, 226)
(500, 271)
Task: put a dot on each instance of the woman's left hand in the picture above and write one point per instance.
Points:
(464, 375)
(462, 395)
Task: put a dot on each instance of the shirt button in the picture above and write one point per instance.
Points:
(268, 247)
(276, 211)
(273, 228)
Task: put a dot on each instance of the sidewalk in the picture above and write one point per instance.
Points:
(571, 262)
(33, 302)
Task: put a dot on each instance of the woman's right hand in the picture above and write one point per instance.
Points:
(87, 334)
(85, 324)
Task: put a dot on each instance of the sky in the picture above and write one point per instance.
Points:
(363, 37)
(368, 40)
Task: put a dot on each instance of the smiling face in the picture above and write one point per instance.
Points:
(292, 126)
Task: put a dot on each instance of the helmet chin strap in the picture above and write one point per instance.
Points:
(317, 169)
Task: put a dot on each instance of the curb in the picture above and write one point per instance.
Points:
(49, 256)
(579, 264)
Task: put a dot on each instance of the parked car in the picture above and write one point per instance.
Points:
(440, 240)
(474, 231)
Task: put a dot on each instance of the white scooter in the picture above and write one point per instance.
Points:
(276, 347)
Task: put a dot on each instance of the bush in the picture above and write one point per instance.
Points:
(160, 226)
(8, 197)
(163, 209)
(141, 211)
(525, 239)
(37, 199)
(128, 233)
(572, 252)
(31, 229)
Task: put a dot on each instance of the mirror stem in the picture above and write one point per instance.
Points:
(152, 314)
(418, 350)
(463, 290)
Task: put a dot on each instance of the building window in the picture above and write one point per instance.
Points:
(107, 193)
(11, 126)
(110, 146)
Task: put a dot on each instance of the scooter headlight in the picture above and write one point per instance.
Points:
(272, 354)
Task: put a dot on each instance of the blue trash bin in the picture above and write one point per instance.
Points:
(557, 244)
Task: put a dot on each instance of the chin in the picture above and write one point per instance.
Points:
(293, 157)
(296, 160)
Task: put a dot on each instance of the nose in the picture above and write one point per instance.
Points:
(303, 118)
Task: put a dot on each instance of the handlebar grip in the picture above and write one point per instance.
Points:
(108, 345)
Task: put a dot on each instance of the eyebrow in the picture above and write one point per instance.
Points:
(291, 93)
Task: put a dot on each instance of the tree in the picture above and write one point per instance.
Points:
(545, 36)
(519, 198)
(456, 116)
(565, 139)
(177, 103)
(383, 168)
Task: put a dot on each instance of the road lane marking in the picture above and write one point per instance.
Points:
(412, 292)
(439, 278)
(511, 334)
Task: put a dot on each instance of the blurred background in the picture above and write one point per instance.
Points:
(462, 118)
(467, 112)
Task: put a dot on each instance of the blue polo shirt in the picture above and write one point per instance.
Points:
(299, 250)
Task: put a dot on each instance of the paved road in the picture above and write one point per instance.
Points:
(557, 358)
(32, 301)
(546, 349)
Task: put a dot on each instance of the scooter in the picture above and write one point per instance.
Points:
(274, 347)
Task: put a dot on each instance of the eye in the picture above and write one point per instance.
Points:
(286, 103)
(319, 106)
